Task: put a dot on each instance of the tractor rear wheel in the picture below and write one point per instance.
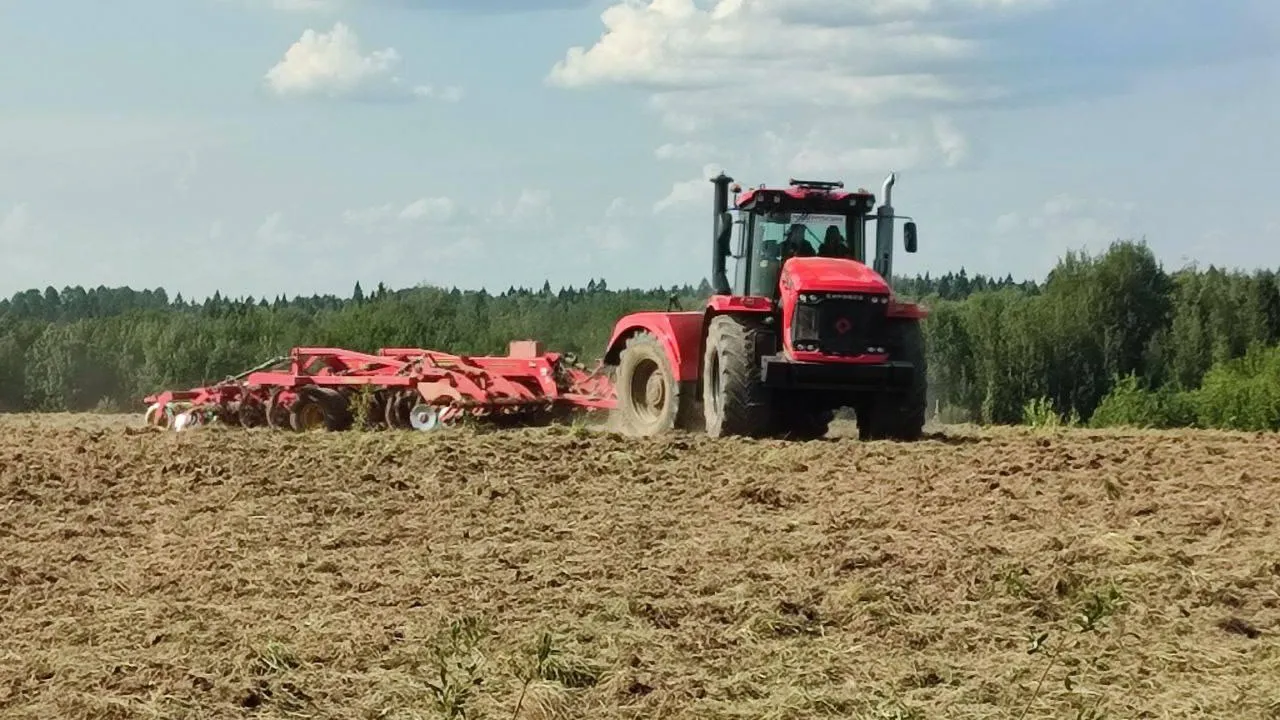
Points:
(650, 399)
(899, 415)
(733, 399)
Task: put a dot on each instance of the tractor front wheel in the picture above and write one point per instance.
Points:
(650, 399)
(801, 418)
(900, 415)
(734, 400)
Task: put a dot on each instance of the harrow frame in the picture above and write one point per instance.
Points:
(399, 388)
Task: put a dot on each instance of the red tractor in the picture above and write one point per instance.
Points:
(806, 326)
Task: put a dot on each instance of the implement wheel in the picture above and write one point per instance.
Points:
(319, 409)
(649, 397)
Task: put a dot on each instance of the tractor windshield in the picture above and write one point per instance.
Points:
(803, 235)
(778, 236)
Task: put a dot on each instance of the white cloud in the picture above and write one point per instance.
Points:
(302, 5)
(688, 192)
(273, 233)
(447, 94)
(182, 181)
(424, 210)
(618, 207)
(610, 237)
(1065, 222)
(840, 68)
(684, 151)
(293, 6)
(529, 205)
(605, 240)
(15, 225)
(533, 203)
(684, 192)
(333, 64)
(438, 209)
(953, 144)
(739, 50)
(369, 217)
(447, 249)
(868, 148)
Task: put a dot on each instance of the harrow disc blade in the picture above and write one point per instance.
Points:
(424, 417)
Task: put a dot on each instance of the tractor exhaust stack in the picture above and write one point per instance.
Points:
(720, 234)
(883, 261)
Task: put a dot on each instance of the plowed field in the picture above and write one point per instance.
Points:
(225, 573)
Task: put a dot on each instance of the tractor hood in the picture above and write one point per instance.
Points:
(820, 274)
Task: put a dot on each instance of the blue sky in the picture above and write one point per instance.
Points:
(297, 146)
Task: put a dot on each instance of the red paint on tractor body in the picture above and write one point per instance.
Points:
(831, 275)
(739, 303)
(822, 274)
(801, 193)
(907, 310)
(679, 332)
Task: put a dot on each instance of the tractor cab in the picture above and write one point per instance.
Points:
(807, 219)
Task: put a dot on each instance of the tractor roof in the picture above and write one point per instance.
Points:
(828, 196)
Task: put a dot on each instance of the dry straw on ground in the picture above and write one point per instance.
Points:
(570, 575)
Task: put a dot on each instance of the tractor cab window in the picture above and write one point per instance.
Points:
(775, 237)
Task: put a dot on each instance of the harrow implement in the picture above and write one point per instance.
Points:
(398, 388)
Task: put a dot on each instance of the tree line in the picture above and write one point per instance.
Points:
(1105, 339)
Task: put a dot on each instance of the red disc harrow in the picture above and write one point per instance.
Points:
(401, 388)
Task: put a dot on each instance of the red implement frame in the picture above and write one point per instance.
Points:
(396, 387)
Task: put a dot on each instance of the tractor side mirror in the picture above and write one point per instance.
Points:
(909, 239)
(724, 229)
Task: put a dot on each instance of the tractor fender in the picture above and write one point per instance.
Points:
(900, 310)
(679, 332)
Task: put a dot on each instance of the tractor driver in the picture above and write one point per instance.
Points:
(795, 244)
(833, 244)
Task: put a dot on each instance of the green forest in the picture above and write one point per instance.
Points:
(1104, 340)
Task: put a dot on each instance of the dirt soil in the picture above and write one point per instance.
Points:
(231, 573)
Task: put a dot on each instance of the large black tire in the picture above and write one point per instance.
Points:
(733, 399)
(899, 415)
(650, 399)
(317, 408)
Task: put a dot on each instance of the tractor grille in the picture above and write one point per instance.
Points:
(840, 323)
